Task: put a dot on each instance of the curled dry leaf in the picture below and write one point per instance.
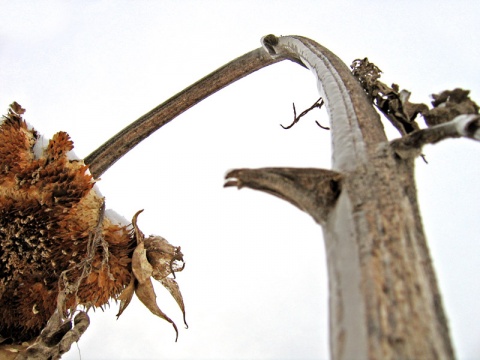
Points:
(140, 266)
(172, 286)
(126, 296)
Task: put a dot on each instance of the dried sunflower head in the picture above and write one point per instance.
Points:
(56, 243)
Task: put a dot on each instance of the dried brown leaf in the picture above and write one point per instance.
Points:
(172, 286)
(126, 296)
(140, 266)
(163, 256)
(147, 296)
(138, 234)
(394, 104)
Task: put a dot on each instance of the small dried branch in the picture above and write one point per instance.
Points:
(56, 338)
(311, 190)
(462, 126)
(321, 126)
(318, 104)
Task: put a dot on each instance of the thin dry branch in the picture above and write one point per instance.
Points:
(465, 125)
(318, 104)
(56, 338)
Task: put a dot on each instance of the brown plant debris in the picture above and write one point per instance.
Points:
(402, 113)
(392, 102)
(449, 104)
(57, 249)
(153, 257)
(56, 338)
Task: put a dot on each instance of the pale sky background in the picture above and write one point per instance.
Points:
(254, 284)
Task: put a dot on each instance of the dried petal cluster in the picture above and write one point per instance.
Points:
(153, 257)
(54, 239)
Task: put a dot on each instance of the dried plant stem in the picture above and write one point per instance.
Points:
(56, 338)
(311, 190)
(107, 154)
(410, 145)
(384, 298)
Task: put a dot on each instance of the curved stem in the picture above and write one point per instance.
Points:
(111, 151)
(350, 111)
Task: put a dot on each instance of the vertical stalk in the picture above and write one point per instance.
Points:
(384, 298)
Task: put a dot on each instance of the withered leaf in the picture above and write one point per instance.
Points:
(172, 286)
(449, 104)
(163, 256)
(390, 101)
(140, 266)
(138, 234)
(126, 296)
(147, 296)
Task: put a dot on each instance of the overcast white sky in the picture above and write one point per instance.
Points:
(254, 284)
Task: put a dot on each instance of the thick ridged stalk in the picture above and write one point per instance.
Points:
(384, 298)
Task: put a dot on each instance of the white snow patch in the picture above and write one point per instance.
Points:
(116, 218)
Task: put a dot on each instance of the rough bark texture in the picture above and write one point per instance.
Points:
(384, 298)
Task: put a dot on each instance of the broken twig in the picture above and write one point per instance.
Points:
(318, 104)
